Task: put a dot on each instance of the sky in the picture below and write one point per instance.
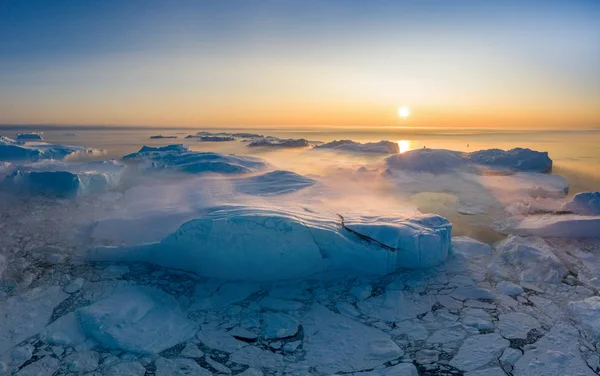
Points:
(301, 63)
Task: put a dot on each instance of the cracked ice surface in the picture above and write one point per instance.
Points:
(522, 306)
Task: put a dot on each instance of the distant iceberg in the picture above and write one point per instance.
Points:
(31, 136)
(11, 150)
(274, 142)
(160, 136)
(441, 160)
(260, 243)
(381, 147)
(181, 158)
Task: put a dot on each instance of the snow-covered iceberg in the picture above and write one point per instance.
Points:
(585, 203)
(273, 183)
(181, 158)
(381, 147)
(256, 243)
(59, 179)
(11, 150)
(442, 160)
(31, 136)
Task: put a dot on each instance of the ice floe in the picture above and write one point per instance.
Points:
(274, 142)
(138, 320)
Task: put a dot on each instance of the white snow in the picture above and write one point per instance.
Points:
(587, 313)
(137, 320)
(478, 351)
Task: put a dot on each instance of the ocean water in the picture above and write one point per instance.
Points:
(576, 153)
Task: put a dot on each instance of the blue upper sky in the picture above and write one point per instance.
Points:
(299, 62)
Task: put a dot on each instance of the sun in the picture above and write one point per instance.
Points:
(403, 112)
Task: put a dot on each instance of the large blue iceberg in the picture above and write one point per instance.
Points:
(266, 243)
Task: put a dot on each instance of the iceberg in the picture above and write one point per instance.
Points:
(273, 183)
(11, 150)
(442, 160)
(181, 158)
(585, 203)
(160, 136)
(36, 136)
(260, 243)
(274, 142)
(57, 179)
(381, 147)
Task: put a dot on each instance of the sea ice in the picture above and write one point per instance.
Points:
(179, 367)
(527, 259)
(478, 351)
(381, 147)
(181, 158)
(137, 320)
(555, 354)
(587, 313)
(232, 242)
(516, 325)
(25, 315)
(358, 347)
(279, 325)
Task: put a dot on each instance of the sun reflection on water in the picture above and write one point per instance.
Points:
(404, 145)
